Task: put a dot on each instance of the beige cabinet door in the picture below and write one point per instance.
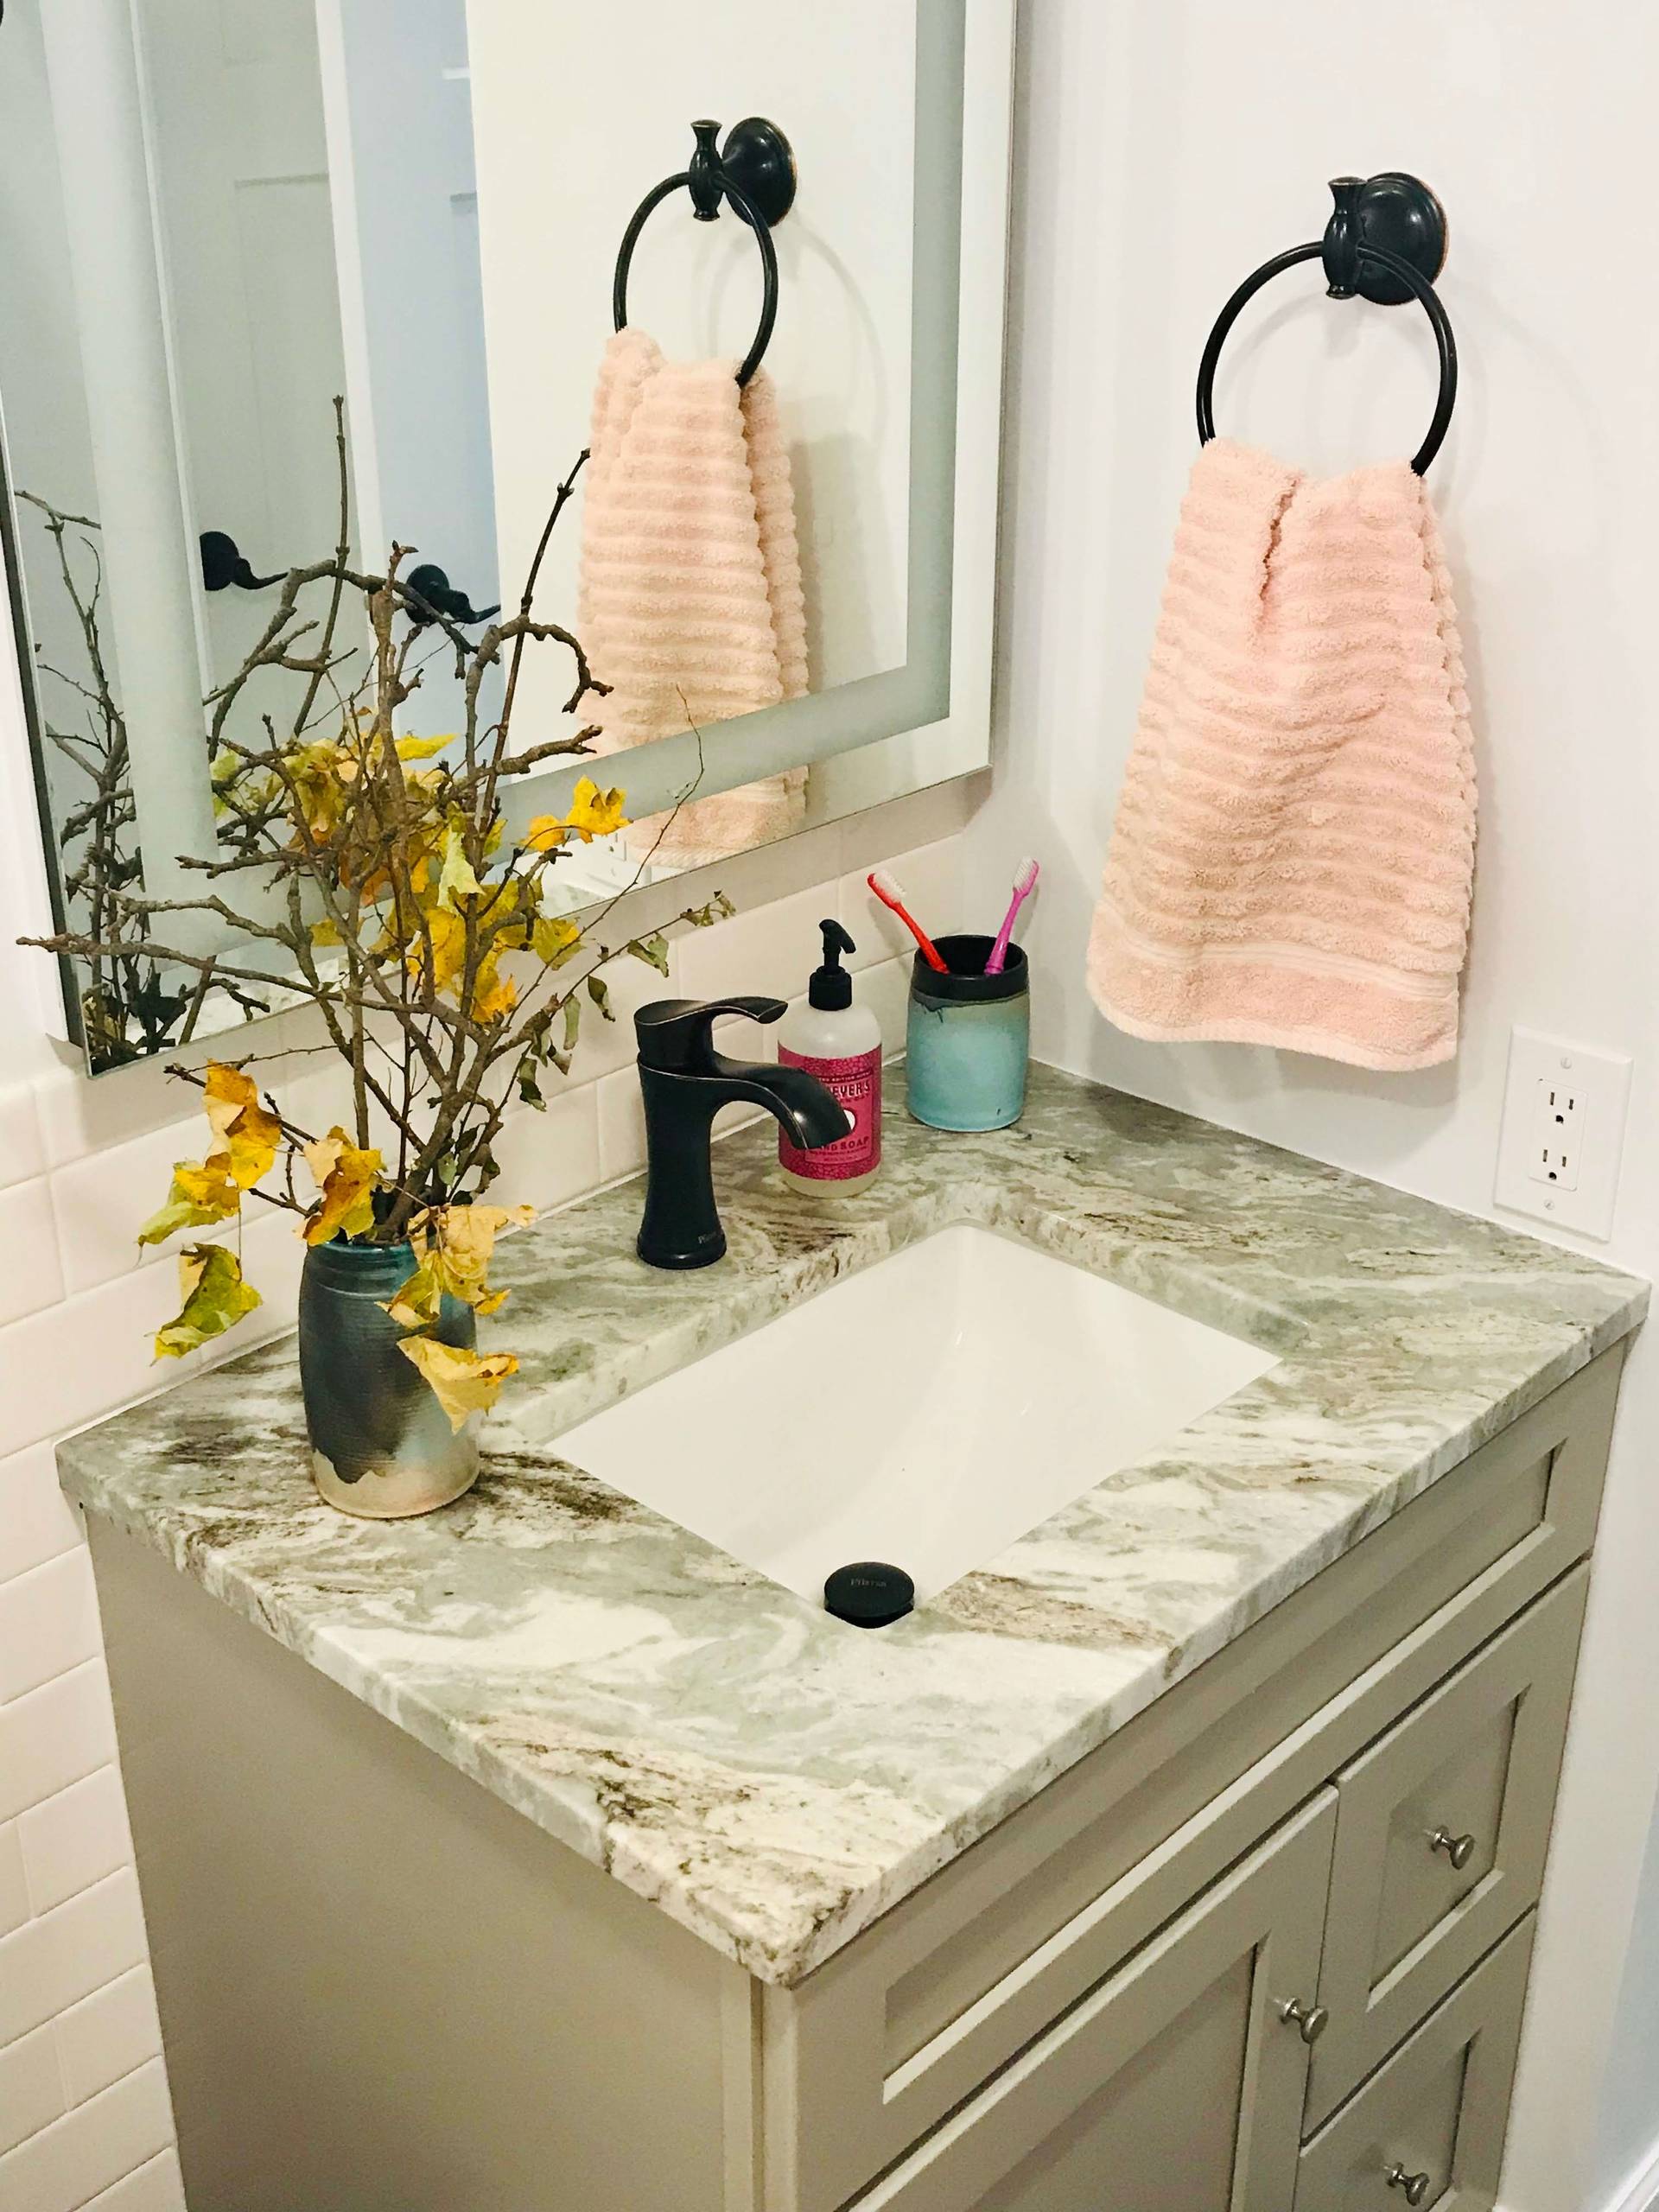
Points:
(1427, 2128)
(1441, 1831)
(1175, 2086)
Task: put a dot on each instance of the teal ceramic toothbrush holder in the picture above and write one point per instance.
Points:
(967, 1040)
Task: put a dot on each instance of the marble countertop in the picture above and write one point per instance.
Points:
(770, 1777)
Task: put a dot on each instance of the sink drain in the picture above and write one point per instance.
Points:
(869, 1593)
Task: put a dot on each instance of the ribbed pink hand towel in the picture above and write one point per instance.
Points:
(690, 605)
(1294, 854)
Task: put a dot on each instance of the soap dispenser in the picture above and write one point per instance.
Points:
(841, 1044)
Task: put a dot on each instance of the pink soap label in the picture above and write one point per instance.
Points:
(857, 1084)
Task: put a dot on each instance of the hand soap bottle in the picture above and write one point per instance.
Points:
(841, 1044)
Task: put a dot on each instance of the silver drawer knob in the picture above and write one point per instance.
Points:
(1416, 2186)
(1310, 2021)
(1459, 1849)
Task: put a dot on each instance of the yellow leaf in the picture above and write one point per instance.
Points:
(458, 1242)
(553, 938)
(594, 813)
(347, 1175)
(447, 934)
(246, 1133)
(493, 993)
(422, 748)
(203, 1193)
(457, 879)
(417, 1303)
(463, 1382)
(214, 1297)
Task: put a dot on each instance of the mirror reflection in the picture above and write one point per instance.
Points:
(309, 293)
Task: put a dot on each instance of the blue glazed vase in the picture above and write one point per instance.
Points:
(381, 1445)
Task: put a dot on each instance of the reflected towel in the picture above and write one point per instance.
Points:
(1294, 854)
(690, 605)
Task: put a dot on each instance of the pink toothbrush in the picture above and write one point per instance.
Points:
(889, 891)
(1025, 877)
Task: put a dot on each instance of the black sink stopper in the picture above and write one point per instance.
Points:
(869, 1593)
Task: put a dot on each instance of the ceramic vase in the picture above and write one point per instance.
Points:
(381, 1447)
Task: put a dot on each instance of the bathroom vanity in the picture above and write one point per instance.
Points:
(1183, 1855)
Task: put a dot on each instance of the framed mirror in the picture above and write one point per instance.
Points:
(223, 216)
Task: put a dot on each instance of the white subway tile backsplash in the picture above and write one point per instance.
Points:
(91, 2147)
(78, 1117)
(101, 1200)
(109, 2033)
(548, 1157)
(14, 1905)
(931, 878)
(885, 989)
(36, 1520)
(33, 1274)
(22, 1153)
(75, 1838)
(52, 1736)
(61, 1956)
(48, 1622)
(62, 1368)
(602, 1045)
(157, 2186)
(621, 1124)
(31, 2086)
(770, 951)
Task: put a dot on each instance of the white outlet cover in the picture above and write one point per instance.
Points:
(1600, 1085)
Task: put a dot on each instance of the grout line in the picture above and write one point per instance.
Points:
(103, 2087)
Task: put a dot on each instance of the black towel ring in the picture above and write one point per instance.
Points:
(754, 174)
(1386, 240)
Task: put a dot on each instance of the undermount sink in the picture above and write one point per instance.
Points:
(927, 1412)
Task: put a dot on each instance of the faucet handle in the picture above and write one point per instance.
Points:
(677, 1035)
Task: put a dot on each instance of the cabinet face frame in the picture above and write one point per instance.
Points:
(1481, 2018)
(1268, 1912)
(1530, 1668)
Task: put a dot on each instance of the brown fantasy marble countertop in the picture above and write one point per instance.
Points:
(772, 1777)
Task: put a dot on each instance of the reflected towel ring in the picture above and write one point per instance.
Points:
(1385, 239)
(754, 174)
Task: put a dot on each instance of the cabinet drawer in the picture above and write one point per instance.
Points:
(1439, 2106)
(1176, 2080)
(1442, 1826)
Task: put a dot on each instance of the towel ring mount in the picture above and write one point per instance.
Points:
(754, 174)
(1386, 241)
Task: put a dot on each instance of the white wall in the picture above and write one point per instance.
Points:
(1163, 152)
(84, 2120)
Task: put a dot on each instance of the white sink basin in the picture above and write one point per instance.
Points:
(927, 1412)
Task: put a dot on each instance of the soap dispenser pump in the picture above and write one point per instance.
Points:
(841, 1044)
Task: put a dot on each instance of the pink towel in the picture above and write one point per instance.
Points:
(690, 605)
(1294, 846)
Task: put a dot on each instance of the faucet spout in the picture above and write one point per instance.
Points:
(809, 1113)
(684, 1083)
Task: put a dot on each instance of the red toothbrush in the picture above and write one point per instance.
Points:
(891, 895)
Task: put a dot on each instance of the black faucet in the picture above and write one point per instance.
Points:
(685, 1082)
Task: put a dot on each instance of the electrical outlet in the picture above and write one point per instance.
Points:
(1559, 1114)
(1558, 1157)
